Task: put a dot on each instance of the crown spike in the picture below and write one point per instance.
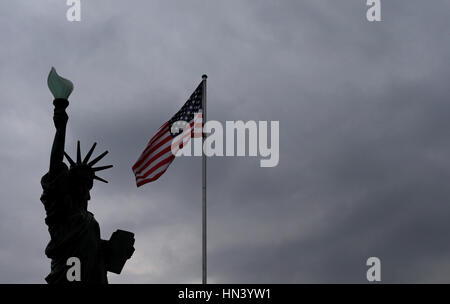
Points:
(72, 163)
(100, 179)
(101, 168)
(94, 161)
(78, 153)
(88, 155)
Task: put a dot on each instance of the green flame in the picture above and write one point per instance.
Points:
(59, 86)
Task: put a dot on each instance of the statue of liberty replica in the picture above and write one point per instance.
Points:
(74, 233)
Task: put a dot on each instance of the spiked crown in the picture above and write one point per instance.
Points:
(84, 167)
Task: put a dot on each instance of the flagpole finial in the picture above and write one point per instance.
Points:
(204, 76)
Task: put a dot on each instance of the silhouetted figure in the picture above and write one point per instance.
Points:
(73, 229)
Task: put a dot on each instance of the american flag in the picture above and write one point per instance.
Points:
(158, 154)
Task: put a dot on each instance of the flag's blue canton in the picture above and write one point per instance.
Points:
(186, 113)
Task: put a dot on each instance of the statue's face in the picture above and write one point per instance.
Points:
(81, 190)
(81, 182)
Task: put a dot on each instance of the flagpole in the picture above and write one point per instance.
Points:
(204, 273)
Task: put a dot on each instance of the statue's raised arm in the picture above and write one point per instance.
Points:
(61, 88)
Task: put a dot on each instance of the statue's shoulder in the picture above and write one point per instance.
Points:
(54, 181)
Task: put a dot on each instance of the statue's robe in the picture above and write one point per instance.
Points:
(73, 230)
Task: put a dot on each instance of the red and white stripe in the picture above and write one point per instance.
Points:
(158, 154)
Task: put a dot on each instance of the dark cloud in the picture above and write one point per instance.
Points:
(362, 107)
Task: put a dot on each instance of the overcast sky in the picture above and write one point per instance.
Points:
(364, 135)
